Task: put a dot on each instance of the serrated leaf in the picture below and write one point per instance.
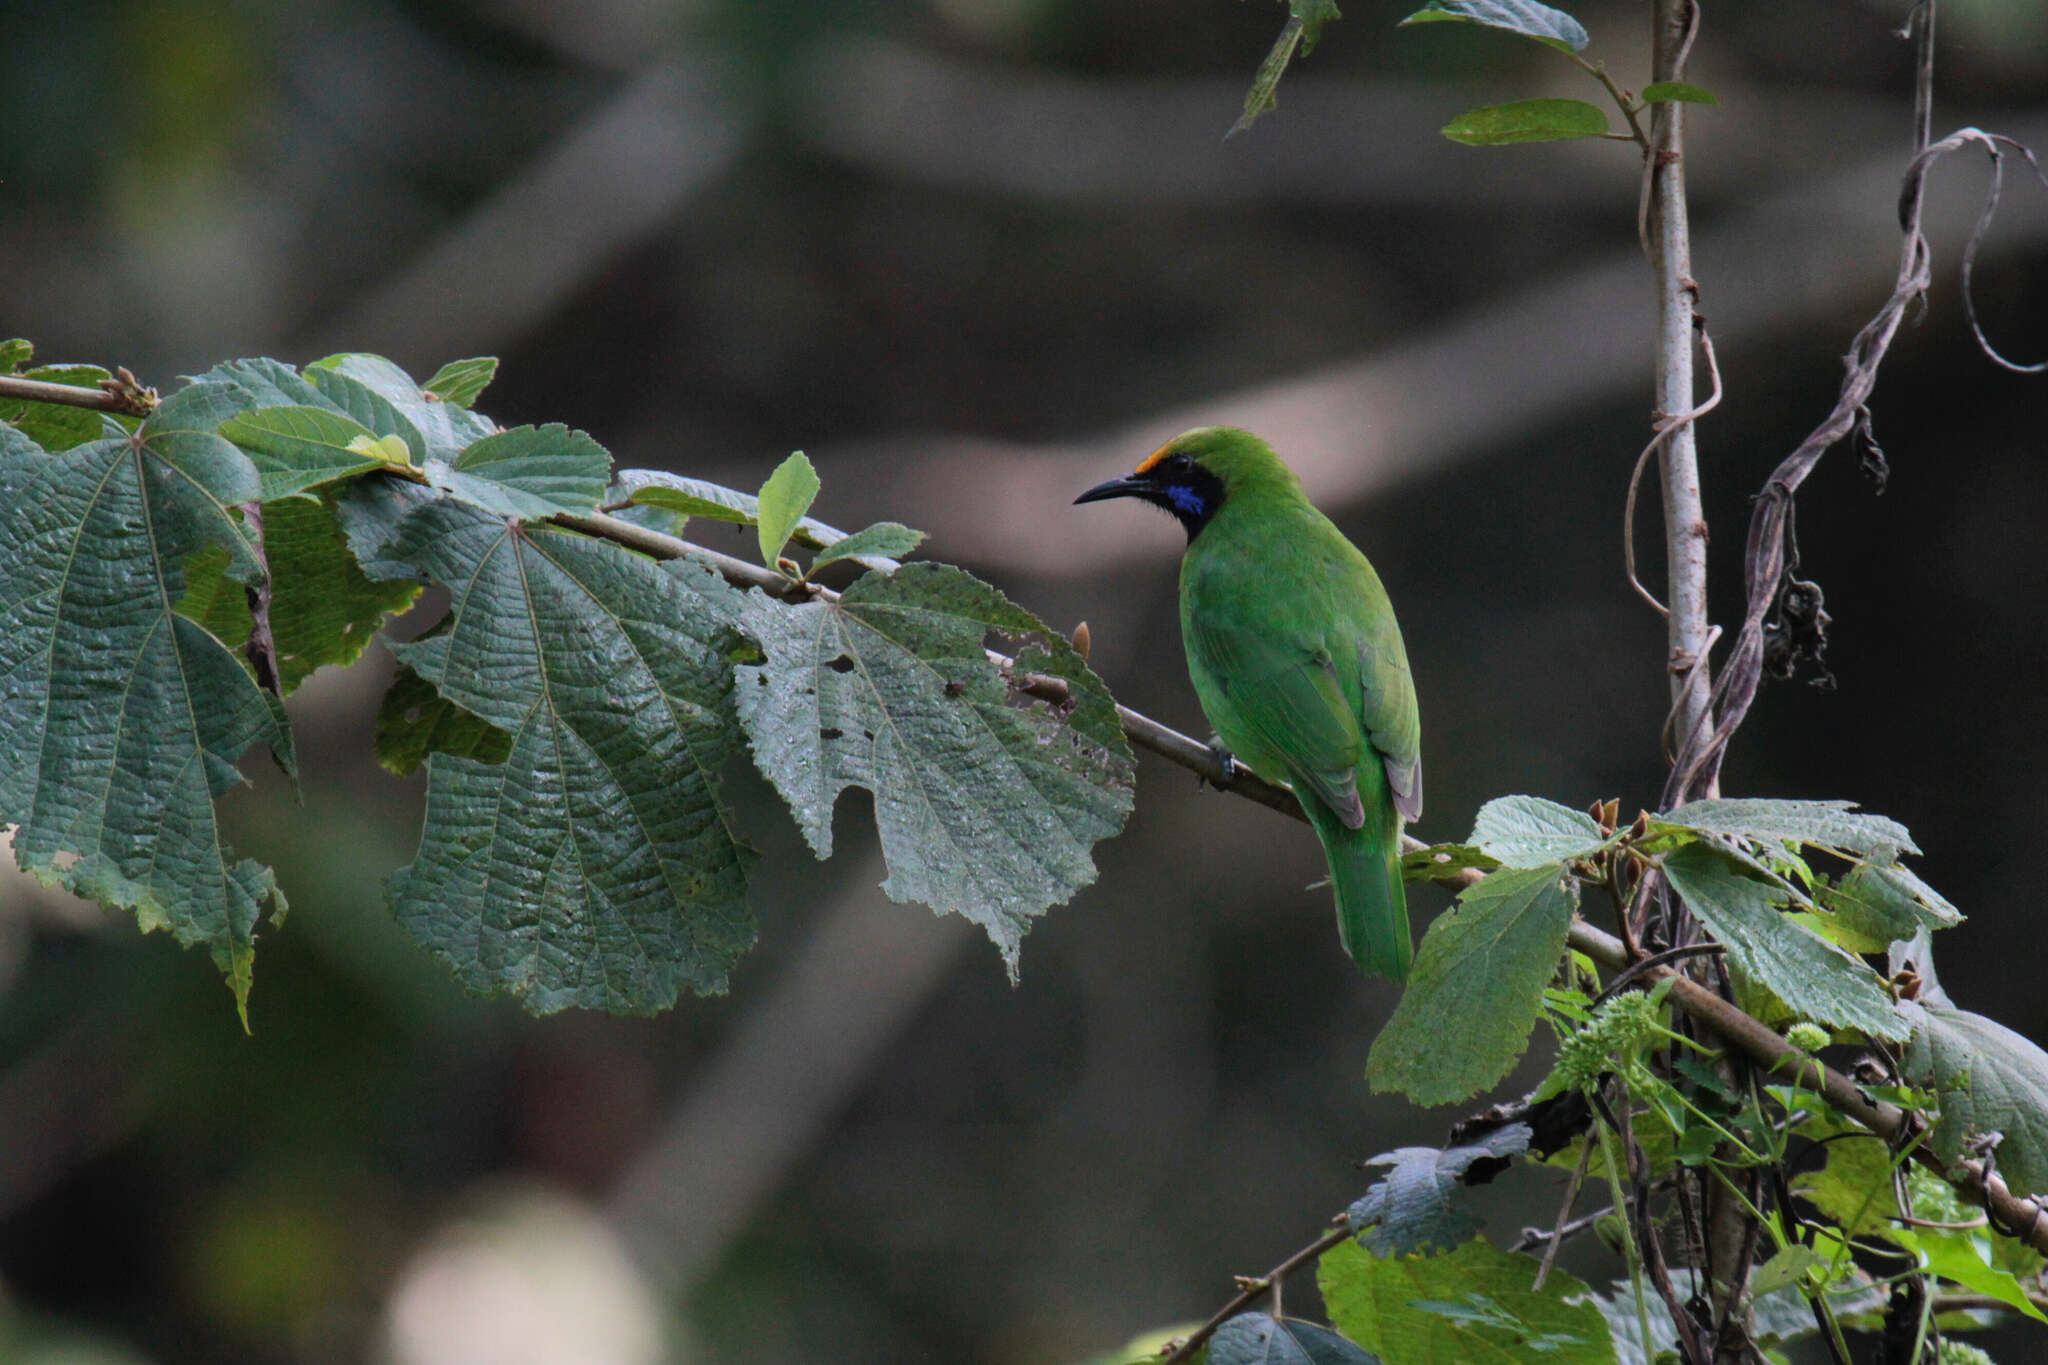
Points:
(1528, 831)
(1473, 1307)
(885, 539)
(1261, 1339)
(15, 352)
(1987, 1079)
(1833, 825)
(1882, 903)
(297, 447)
(530, 472)
(1854, 1186)
(416, 721)
(1496, 125)
(595, 866)
(1416, 1206)
(1551, 27)
(58, 426)
(1787, 1268)
(386, 399)
(782, 502)
(988, 803)
(1665, 92)
(1304, 27)
(1477, 988)
(121, 721)
(1775, 1319)
(463, 381)
(1441, 862)
(323, 608)
(1816, 979)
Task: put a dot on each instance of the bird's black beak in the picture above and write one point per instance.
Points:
(1129, 486)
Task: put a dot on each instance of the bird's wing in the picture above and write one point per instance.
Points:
(1387, 696)
(1288, 696)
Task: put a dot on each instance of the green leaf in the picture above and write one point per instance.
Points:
(674, 494)
(323, 608)
(988, 802)
(59, 426)
(295, 448)
(121, 721)
(1882, 903)
(1473, 1307)
(1665, 92)
(385, 399)
(462, 381)
(531, 472)
(1527, 121)
(1304, 27)
(1833, 825)
(885, 539)
(415, 721)
(595, 866)
(1988, 1079)
(15, 352)
(1551, 27)
(1416, 1206)
(1854, 1187)
(1958, 1254)
(1477, 988)
(1788, 1268)
(1816, 979)
(1442, 862)
(1528, 831)
(1261, 1339)
(784, 499)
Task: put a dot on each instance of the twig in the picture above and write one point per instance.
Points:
(1564, 1224)
(1778, 1058)
(1664, 427)
(1253, 1290)
(1532, 1238)
(122, 394)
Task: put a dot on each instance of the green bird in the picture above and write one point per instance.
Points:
(1297, 661)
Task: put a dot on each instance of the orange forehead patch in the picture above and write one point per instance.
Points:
(1154, 458)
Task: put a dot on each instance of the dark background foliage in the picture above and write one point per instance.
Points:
(972, 255)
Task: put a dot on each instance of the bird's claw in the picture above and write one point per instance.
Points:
(1227, 767)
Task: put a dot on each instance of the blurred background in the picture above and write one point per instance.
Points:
(973, 256)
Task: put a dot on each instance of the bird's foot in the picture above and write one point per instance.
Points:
(1227, 767)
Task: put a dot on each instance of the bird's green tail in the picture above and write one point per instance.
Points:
(1365, 875)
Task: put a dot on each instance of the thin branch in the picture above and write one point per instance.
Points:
(122, 394)
(1755, 1039)
(1664, 427)
(1779, 1059)
(1253, 1290)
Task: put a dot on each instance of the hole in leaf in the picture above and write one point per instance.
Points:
(842, 664)
(830, 732)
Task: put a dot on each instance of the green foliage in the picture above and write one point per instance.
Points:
(783, 500)
(1986, 1079)
(463, 381)
(1836, 826)
(596, 866)
(1529, 831)
(655, 489)
(987, 800)
(1551, 27)
(531, 472)
(1547, 120)
(1304, 26)
(574, 710)
(120, 720)
(1477, 988)
(1474, 1306)
(1816, 979)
